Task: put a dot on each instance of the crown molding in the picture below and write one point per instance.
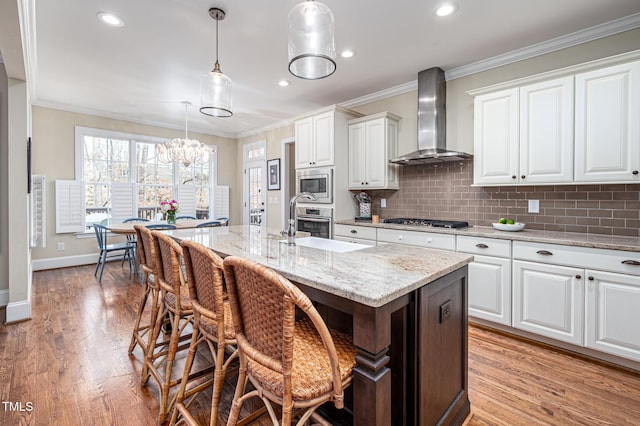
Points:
(112, 116)
(599, 31)
(27, 16)
(382, 94)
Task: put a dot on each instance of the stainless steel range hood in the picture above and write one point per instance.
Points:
(432, 122)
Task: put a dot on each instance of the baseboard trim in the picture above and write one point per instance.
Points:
(4, 297)
(18, 311)
(64, 262)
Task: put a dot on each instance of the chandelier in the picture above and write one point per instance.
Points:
(312, 47)
(184, 150)
(216, 87)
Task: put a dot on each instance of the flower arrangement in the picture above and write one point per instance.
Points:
(170, 208)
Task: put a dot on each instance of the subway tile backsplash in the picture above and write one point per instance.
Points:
(444, 191)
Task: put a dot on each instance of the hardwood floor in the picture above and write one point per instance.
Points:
(70, 363)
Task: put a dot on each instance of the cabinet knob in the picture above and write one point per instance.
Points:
(544, 253)
(631, 262)
(590, 278)
(361, 183)
(578, 277)
(399, 237)
(513, 176)
(482, 246)
(635, 172)
(366, 183)
(353, 231)
(522, 177)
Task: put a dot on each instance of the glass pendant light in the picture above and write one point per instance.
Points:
(216, 87)
(312, 47)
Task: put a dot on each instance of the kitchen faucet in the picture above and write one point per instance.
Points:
(290, 232)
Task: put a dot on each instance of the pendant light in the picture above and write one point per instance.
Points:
(216, 87)
(184, 150)
(312, 47)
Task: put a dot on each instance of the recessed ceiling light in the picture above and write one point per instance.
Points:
(110, 19)
(284, 83)
(446, 9)
(348, 53)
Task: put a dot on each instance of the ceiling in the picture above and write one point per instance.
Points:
(142, 71)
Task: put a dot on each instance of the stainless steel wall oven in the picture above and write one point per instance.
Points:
(316, 220)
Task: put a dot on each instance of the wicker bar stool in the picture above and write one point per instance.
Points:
(146, 256)
(298, 365)
(177, 309)
(212, 325)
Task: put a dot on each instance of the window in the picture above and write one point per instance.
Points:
(105, 158)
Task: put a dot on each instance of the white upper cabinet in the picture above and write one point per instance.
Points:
(373, 141)
(315, 141)
(525, 135)
(608, 124)
(495, 151)
(546, 132)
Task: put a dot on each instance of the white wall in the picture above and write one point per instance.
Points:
(4, 188)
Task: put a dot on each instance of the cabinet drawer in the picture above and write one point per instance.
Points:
(355, 240)
(484, 246)
(416, 238)
(365, 232)
(626, 262)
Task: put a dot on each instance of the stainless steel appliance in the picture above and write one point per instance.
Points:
(316, 220)
(318, 182)
(435, 223)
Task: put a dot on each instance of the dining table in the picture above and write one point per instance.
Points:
(128, 228)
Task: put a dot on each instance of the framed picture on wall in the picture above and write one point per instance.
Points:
(273, 171)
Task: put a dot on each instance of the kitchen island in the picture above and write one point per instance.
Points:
(406, 308)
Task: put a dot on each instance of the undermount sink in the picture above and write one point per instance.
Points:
(329, 245)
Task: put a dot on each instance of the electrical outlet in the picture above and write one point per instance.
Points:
(383, 202)
(534, 206)
(60, 246)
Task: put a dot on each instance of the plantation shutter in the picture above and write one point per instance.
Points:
(186, 197)
(69, 206)
(123, 201)
(221, 201)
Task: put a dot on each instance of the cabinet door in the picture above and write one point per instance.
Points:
(304, 143)
(546, 132)
(495, 158)
(357, 152)
(376, 164)
(549, 300)
(612, 320)
(323, 135)
(607, 124)
(490, 289)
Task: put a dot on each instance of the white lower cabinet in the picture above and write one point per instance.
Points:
(612, 314)
(355, 234)
(490, 289)
(549, 300)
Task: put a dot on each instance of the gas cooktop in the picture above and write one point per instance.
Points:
(428, 222)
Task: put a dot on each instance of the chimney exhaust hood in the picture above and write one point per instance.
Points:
(432, 122)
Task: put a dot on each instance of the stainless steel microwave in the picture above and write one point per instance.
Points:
(319, 182)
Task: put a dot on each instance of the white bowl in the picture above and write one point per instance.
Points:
(506, 227)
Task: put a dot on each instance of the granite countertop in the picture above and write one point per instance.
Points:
(610, 242)
(373, 276)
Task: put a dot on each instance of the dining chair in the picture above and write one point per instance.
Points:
(212, 325)
(209, 224)
(160, 226)
(224, 220)
(143, 330)
(298, 365)
(186, 217)
(177, 311)
(120, 250)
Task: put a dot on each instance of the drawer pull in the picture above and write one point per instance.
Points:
(544, 252)
(631, 262)
(483, 246)
(513, 176)
(635, 172)
(578, 277)
(590, 278)
(353, 231)
(523, 176)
